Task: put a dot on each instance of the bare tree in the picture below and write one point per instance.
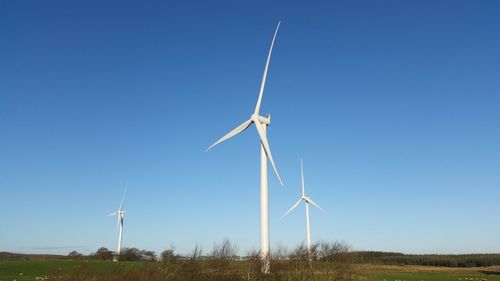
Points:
(224, 250)
(254, 266)
(191, 270)
(328, 251)
(339, 262)
(280, 253)
(168, 256)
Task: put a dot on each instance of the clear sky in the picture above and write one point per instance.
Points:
(394, 106)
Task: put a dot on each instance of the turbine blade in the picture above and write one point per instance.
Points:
(263, 83)
(293, 207)
(263, 139)
(113, 214)
(302, 175)
(123, 197)
(234, 132)
(316, 205)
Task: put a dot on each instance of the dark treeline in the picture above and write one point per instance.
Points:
(126, 254)
(388, 258)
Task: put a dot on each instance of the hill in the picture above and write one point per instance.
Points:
(17, 256)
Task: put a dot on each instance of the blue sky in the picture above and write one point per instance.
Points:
(394, 106)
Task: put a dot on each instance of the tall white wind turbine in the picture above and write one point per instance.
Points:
(307, 199)
(120, 214)
(260, 123)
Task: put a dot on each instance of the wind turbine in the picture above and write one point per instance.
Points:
(120, 214)
(307, 200)
(260, 123)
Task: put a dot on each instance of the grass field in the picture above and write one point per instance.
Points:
(427, 273)
(30, 270)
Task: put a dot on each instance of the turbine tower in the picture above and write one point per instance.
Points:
(261, 123)
(307, 200)
(120, 214)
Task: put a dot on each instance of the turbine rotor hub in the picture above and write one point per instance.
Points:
(263, 120)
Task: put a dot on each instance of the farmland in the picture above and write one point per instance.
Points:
(30, 269)
(418, 273)
(20, 270)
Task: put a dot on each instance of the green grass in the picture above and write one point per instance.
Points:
(21, 270)
(29, 270)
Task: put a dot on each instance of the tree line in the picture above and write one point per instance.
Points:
(126, 254)
(322, 252)
(391, 258)
(326, 261)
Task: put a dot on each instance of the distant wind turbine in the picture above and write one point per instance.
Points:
(120, 214)
(261, 123)
(307, 200)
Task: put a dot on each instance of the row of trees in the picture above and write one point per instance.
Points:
(127, 254)
(320, 252)
(445, 260)
(471, 260)
(221, 263)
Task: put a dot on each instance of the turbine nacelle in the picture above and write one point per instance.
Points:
(261, 119)
(117, 213)
(260, 123)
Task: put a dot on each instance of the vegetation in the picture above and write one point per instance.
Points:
(134, 254)
(326, 261)
(102, 254)
(144, 271)
(471, 260)
(75, 255)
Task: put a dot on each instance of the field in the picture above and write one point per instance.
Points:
(418, 273)
(21, 270)
(30, 270)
